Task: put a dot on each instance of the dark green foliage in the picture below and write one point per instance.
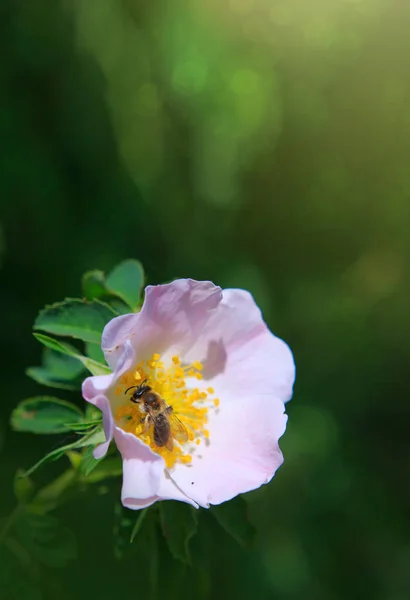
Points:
(124, 522)
(94, 285)
(45, 414)
(76, 318)
(59, 371)
(17, 583)
(179, 525)
(46, 539)
(139, 521)
(233, 518)
(126, 281)
(92, 365)
(121, 288)
(93, 438)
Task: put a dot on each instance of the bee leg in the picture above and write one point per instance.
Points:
(147, 423)
(169, 410)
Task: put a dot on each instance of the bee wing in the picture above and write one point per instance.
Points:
(178, 429)
(170, 444)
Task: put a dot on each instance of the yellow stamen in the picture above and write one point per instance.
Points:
(189, 405)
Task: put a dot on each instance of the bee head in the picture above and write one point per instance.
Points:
(140, 390)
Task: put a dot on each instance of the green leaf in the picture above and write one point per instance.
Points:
(56, 345)
(44, 377)
(121, 292)
(47, 540)
(44, 414)
(232, 516)
(179, 525)
(81, 319)
(59, 371)
(94, 351)
(102, 469)
(88, 462)
(94, 285)
(93, 438)
(126, 281)
(120, 307)
(93, 366)
(138, 524)
(83, 426)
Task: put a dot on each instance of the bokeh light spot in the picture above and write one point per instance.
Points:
(245, 81)
(190, 76)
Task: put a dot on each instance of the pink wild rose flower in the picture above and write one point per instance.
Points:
(195, 400)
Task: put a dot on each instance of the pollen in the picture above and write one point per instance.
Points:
(185, 405)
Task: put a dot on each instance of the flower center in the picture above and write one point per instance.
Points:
(165, 408)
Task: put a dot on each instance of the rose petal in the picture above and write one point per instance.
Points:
(96, 390)
(240, 353)
(242, 453)
(144, 477)
(142, 470)
(173, 315)
(168, 490)
(108, 423)
(101, 384)
(116, 333)
(252, 373)
(96, 385)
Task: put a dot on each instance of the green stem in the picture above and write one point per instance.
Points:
(57, 492)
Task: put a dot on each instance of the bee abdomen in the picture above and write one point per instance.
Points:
(162, 430)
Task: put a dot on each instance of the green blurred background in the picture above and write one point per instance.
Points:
(256, 143)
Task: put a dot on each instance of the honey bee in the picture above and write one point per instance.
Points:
(166, 424)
